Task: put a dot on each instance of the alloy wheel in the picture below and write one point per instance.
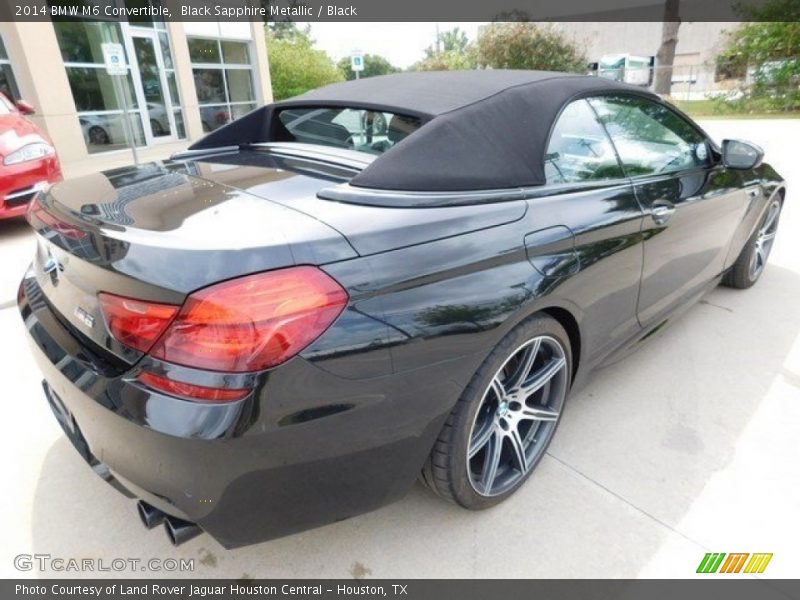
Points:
(517, 416)
(764, 240)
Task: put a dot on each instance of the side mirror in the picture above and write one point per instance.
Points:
(737, 154)
(25, 108)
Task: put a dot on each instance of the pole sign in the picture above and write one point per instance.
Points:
(114, 57)
(357, 62)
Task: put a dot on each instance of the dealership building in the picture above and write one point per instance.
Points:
(184, 79)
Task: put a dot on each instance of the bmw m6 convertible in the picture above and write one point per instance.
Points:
(382, 280)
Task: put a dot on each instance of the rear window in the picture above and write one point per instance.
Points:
(358, 129)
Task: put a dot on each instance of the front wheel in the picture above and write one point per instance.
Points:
(751, 262)
(503, 423)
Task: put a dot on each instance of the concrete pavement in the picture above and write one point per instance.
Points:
(688, 446)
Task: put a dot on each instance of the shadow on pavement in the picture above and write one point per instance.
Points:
(636, 448)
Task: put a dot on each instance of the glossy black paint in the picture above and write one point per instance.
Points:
(345, 426)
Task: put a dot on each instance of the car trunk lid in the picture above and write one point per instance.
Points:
(157, 233)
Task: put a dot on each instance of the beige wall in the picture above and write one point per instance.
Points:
(42, 79)
(39, 71)
(699, 42)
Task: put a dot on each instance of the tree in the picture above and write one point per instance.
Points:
(527, 45)
(451, 52)
(374, 64)
(453, 41)
(770, 50)
(451, 60)
(295, 66)
(665, 56)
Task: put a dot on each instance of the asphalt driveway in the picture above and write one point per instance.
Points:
(689, 446)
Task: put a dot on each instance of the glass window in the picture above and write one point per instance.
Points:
(240, 85)
(223, 79)
(104, 132)
(363, 130)
(579, 148)
(152, 105)
(210, 85)
(94, 90)
(235, 53)
(8, 84)
(650, 137)
(204, 51)
(81, 41)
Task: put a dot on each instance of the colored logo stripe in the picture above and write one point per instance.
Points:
(758, 563)
(711, 562)
(733, 564)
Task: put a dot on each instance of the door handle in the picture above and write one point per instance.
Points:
(662, 212)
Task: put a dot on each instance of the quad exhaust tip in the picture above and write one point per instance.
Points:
(180, 531)
(150, 515)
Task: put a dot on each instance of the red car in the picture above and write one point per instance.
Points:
(28, 161)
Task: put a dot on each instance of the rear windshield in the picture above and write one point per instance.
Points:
(353, 128)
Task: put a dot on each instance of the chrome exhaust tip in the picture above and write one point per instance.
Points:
(180, 531)
(150, 515)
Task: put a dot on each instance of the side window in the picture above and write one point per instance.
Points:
(649, 137)
(579, 149)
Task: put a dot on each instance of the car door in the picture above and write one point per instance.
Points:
(692, 202)
(586, 221)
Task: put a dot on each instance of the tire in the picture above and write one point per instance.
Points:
(99, 136)
(751, 262)
(482, 425)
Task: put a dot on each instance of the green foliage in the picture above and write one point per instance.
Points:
(295, 65)
(374, 64)
(452, 41)
(454, 53)
(770, 52)
(528, 45)
(450, 60)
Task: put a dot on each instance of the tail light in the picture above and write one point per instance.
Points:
(136, 323)
(252, 323)
(190, 390)
(246, 324)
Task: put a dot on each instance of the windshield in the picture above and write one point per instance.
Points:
(353, 128)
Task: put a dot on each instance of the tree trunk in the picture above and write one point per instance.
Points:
(666, 52)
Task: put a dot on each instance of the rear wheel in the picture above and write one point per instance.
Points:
(751, 262)
(501, 427)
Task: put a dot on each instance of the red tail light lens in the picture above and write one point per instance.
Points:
(136, 323)
(254, 322)
(189, 390)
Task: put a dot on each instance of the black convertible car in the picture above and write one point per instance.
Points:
(380, 280)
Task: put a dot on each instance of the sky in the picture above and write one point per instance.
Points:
(401, 43)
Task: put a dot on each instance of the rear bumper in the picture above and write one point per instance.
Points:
(261, 468)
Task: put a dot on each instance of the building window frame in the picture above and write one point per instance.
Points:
(8, 71)
(228, 105)
(143, 133)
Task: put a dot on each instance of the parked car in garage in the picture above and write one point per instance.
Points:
(28, 161)
(291, 322)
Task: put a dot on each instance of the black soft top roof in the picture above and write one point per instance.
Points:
(484, 129)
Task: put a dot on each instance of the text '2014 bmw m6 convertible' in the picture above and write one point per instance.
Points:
(380, 280)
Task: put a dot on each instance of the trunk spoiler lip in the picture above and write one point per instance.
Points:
(342, 157)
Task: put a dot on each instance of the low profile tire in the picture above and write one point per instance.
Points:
(751, 262)
(503, 423)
